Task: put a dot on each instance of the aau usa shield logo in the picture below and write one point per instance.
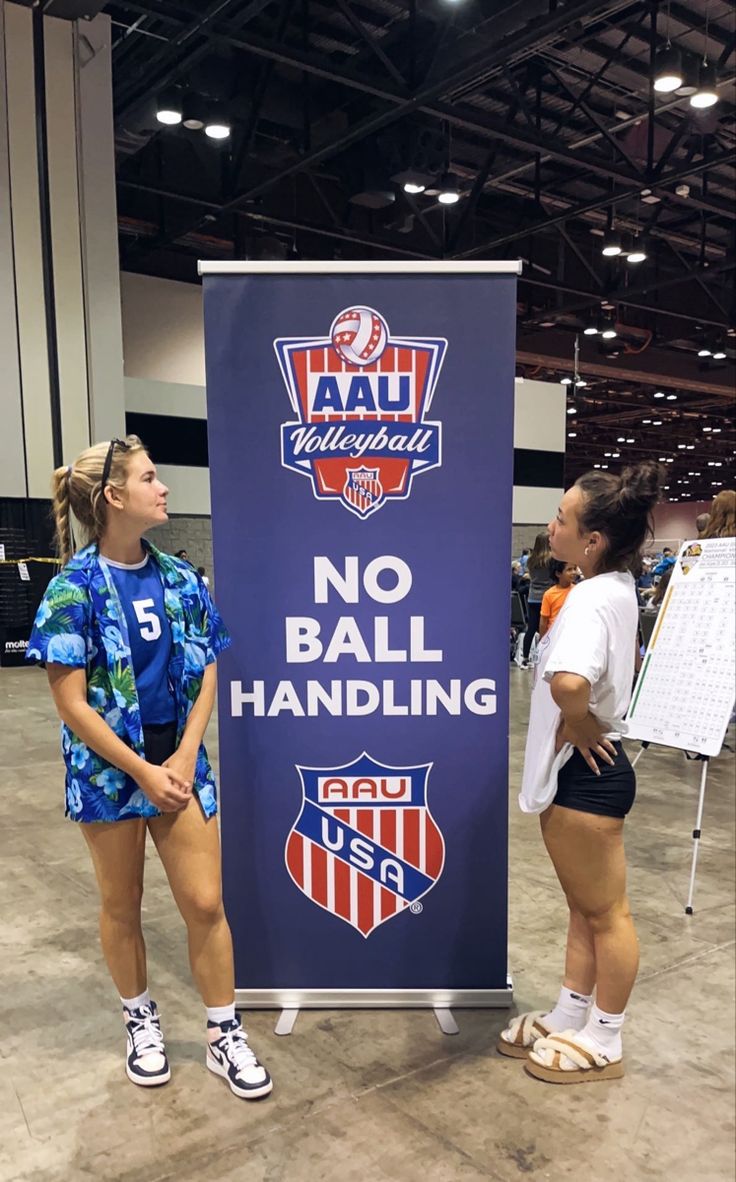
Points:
(365, 846)
(360, 399)
(363, 490)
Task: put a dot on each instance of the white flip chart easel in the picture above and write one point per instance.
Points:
(684, 695)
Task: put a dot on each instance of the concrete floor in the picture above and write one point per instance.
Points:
(361, 1095)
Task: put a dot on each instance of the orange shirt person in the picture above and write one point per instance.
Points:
(564, 574)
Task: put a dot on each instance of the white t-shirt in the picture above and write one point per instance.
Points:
(595, 637)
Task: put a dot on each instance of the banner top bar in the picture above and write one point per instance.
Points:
(343, 267)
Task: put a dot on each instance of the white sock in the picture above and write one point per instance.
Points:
(570, 1012)
(219, 1014)
(135, 1003)
(602, 1032)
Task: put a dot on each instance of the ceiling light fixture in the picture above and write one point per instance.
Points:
(706, 94)
(169, 107)
(672, 398)
(193, 112)
(449, 189)
(611, 245)
(704, 351)
(638, 252)
(217, 125)
(668, 69)
(659, 394)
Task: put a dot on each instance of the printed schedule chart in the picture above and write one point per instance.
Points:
(685, 692)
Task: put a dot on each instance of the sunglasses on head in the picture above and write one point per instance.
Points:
(108, 459)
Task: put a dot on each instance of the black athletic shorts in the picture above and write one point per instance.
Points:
(159, 741)
(611, 794)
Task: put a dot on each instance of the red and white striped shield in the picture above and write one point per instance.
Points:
(365, 846)
(363, 490)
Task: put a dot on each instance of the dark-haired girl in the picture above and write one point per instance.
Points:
(540, 580)
(578, 777)
(129, 636)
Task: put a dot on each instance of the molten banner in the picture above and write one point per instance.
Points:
(364, 797)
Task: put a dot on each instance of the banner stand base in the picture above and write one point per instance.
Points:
(286, 1022)
(445, 1020)
(441, 1001)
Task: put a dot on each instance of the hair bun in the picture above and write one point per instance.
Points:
(641, 486)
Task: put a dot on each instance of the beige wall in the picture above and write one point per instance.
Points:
(163, 336)
(677, 521)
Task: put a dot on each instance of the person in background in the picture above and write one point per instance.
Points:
(203, 576)
(540, 580)
(701, 522)
(645, 581)
(666, 562)
(524, 560)
(183, 555)
(655, 602)
(563, 574)
(722, 523)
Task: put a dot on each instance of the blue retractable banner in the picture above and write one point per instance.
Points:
(361, 458)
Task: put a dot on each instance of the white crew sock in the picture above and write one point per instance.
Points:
(602, 1033)
(218, 1014)
(570, 1012)
(135, 1003)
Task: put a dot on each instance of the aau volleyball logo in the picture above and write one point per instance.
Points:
(360, 397)
(364, 846)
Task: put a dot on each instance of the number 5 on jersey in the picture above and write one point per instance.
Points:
(149, 621)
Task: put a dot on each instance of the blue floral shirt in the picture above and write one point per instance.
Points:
(81, 623)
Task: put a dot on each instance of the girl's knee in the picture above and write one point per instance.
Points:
(124, 909)
(204, 908)
(606, 917)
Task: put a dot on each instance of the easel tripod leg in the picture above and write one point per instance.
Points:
(696, 837)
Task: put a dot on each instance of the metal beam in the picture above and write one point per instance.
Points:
(699, 279)
(578, 252)
(371, 42)
(633, 297)
(598, 203)
(617, 373)
(618, 148)
(287, 223)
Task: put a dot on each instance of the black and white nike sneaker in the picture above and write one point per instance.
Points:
(229, 1055)
(146, 1063)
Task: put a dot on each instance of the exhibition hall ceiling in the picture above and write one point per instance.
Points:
(526, 129)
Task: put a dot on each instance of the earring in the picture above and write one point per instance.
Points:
(587, 551)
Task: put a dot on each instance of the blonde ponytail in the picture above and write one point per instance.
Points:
(78, 490)
(61, 510)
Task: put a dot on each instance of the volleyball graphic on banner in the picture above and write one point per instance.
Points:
(361, 398)
(359, 335)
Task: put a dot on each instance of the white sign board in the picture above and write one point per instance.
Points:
(685, 692)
